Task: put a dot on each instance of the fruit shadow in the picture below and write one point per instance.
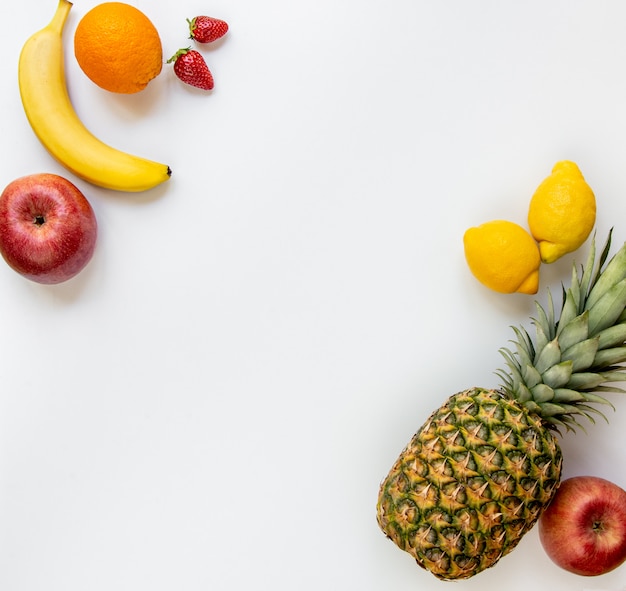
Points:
(70, 291)
(130, 108)
(135, 198)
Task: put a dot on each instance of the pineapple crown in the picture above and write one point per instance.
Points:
(561, 374)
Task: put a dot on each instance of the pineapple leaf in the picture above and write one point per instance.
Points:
(574, 331)
(613, 376)
(577, 355)
(558, 375)
(551, 409)
(585, 381)
(588, 411)
(605, 251)
(523, 393)
(511, 362)
(567, 395)
(570, 410)
(524, 346)
(613, 389)
(526, 340)
(548, 356)
(542, 337)
(555, 424)
(577, 290)
(605, 312)
(582, 355)
(513, 384)
(590, 278)
(533, 407)
(596, 399)
(530, 376)
(609, 357)
(613, 273)
(570, 310)
(545, 322)
(612, 336)
(542, 393)
(506, 381)
(570, 422)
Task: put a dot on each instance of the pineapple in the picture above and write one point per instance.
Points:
(477, 475)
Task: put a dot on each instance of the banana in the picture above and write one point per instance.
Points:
(49, 110)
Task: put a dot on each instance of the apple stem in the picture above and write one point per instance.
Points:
(39, 220)
(597, 526)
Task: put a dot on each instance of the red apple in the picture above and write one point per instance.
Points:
(583, 530)
(48, 229)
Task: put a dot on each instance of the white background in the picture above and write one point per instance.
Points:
(213, 402)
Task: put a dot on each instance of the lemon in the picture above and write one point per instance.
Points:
(503, 256)
(562, 212)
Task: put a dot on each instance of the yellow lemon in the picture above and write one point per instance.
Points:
(562, 212)
(503, 256)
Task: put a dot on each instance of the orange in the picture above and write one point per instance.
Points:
(118, 48)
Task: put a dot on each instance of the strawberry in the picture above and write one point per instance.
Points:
(205, 29)
(190, 67)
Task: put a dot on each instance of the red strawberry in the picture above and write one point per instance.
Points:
(205, 29)
(190, 67)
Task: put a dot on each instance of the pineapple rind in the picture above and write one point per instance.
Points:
(491, 468)
(477, 475)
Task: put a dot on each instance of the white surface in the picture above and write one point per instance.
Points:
(213, 402)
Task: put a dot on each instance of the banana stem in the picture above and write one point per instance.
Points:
(60, 16)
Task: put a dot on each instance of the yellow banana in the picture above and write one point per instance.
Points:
(49, 110)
